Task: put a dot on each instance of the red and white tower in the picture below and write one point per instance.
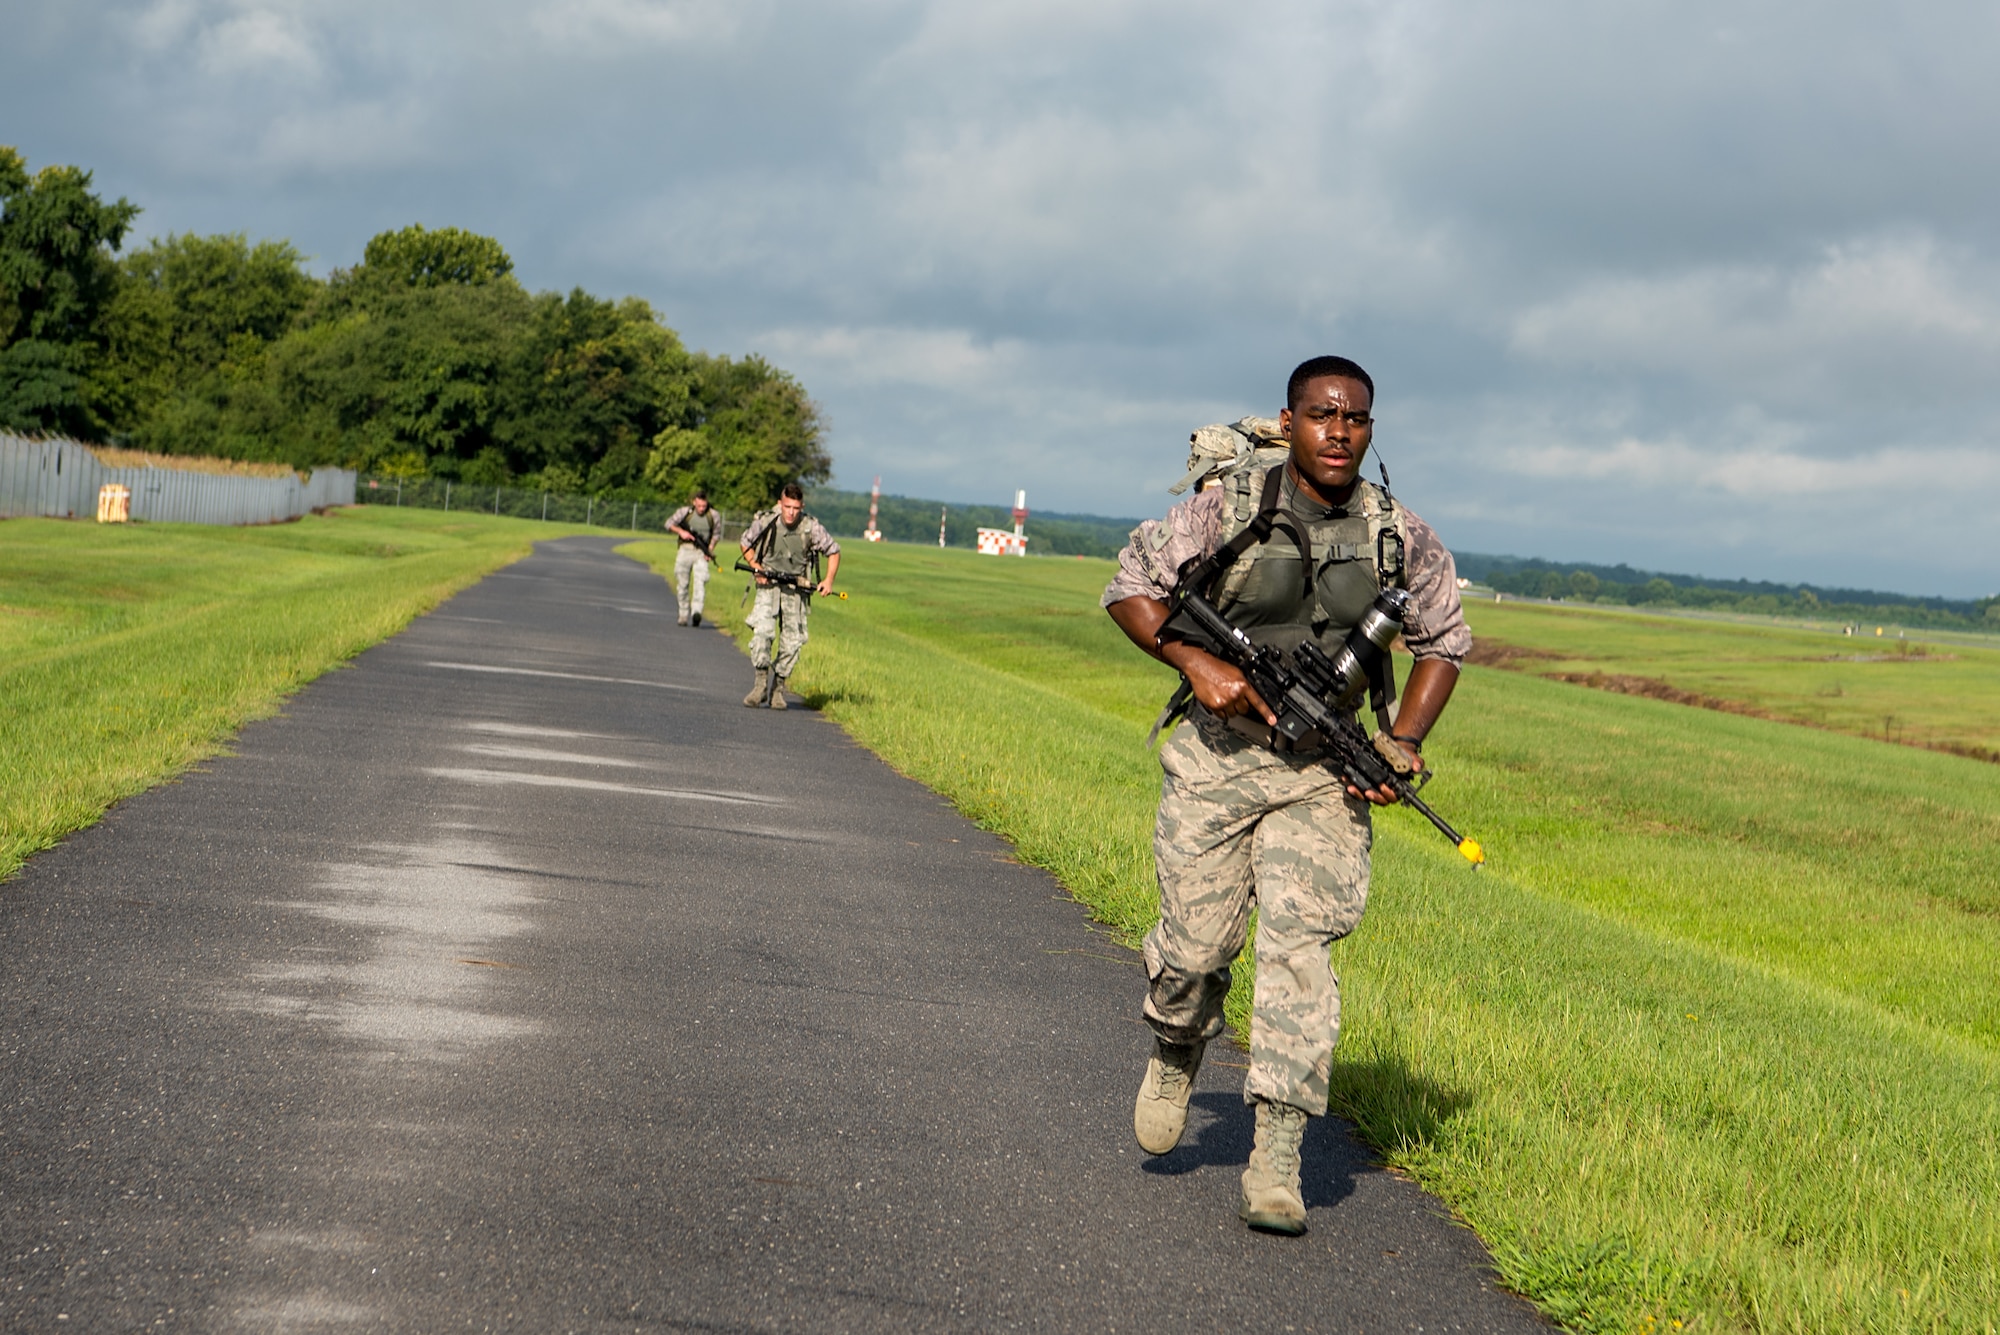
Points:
(874, 534)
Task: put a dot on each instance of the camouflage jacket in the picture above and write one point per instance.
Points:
(1149, 565)
(818, 540)
(686, 518)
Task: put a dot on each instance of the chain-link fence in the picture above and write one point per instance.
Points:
(555, 507)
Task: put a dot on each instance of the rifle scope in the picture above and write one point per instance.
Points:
(1347, 673)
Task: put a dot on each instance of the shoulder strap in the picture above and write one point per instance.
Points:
(1387, 536)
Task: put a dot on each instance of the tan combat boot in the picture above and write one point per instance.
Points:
(760, 690)
(1271, 1199)
(778, 693)
(1160, 1116)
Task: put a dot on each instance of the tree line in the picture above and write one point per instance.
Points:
(427, 358)
(1621, 584)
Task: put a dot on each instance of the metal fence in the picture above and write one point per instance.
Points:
(59, 479)
(429, 493)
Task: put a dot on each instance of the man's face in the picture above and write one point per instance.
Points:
(790, 509)
(700, 504)
(1330, 430)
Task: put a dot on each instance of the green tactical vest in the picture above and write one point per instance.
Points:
(702, 526)
(1357, 551)
(784, 550)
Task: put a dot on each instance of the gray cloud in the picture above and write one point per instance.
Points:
(1703, 286)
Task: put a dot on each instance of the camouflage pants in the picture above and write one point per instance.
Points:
(690, 578)
(778, 614)
(1240, 823)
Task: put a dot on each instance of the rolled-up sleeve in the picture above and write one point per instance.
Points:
(1149, 566)
(819, 540)
(1436, 625)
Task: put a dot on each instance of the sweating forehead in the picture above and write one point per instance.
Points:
(1335, 389)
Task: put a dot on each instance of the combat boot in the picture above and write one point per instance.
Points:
(682, 620)
(1160, 1116)
(778, 693)
(760, 690)
(694, 618)
(1271, 1200)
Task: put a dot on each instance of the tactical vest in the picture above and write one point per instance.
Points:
(1311, 575)
(702, 526)
(1354, 552)
(783, 550)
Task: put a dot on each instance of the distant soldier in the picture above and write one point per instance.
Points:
(697, 526)
(1247, 817)
(784, 546)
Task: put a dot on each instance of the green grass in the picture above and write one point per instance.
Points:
(1713, 1040)
(1919, 692)
(128, 653)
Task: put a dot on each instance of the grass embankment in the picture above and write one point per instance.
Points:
(1714, 1040)
(1918, 692)
(128, 652)
(113, 456)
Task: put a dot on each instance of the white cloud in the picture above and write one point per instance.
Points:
(947, 359)
(614, 27)
(1903, 304)
(261, 41)
(1773, 474)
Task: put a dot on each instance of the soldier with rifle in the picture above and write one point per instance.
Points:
(697, 526)
(1295, 566)
(782, 548)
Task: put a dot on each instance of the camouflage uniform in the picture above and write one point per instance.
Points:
(1240, 822)
(781, 615)
(690, 566)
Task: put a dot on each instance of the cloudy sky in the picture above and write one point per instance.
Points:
(1699, 286)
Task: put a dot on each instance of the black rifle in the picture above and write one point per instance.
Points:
(796, 583)
(707, 549)
(1311, 692)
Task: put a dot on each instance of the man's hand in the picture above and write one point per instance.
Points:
(1386, 797)
(824, 588)
(1222, 688)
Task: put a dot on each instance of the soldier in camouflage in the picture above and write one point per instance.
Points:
(697, 526)
(1244, 819)
(784, 541)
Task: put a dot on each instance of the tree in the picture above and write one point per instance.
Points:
(757, 431)
(56, 277)
(594, 384)
(1654, 590)
(189, 310)
(416, 257)
(1583, 584)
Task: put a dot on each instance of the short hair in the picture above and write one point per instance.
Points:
(792, 491)
(1318, 368)
(697, 495)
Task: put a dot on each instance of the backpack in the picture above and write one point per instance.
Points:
(1239, 456)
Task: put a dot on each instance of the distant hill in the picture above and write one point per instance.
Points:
(1580, 580)
(906, 519)
(909, 519)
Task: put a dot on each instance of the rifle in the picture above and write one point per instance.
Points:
(795, 583)
(1312, 692)
(705, 548)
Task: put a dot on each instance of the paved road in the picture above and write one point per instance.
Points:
(518, 978)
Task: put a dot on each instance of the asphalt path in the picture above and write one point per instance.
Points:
(517, 977)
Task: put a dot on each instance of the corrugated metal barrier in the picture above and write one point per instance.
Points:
(59, 479)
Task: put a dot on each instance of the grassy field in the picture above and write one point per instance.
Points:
(128, 653)
(1714, 1043)
(1923, 692)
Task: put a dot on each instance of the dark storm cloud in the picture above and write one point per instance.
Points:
(1700, 286)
